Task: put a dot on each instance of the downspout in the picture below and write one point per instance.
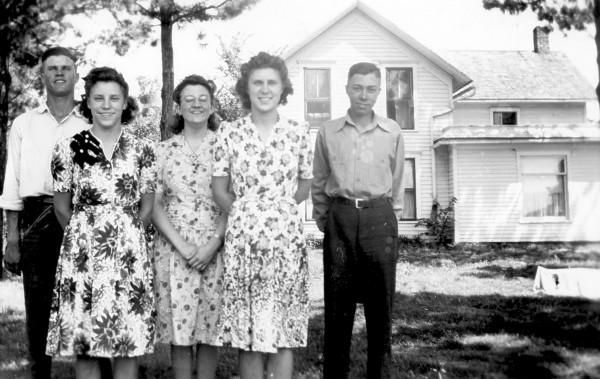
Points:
(432, 150)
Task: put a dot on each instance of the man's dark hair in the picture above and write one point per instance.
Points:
(364, 68)
(57, 51)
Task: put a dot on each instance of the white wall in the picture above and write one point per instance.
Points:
(530, 113)
(490, 194)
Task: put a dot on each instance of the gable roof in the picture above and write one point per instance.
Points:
(522, 75)
(459, 79)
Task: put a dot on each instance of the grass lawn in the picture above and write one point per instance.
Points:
(469, 312)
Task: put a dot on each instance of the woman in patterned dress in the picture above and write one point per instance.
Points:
(104, 182)
(187, 265)
(267, 159)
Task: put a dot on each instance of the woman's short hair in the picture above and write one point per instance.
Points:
(263, 60)
(107, 74)
(178, 123)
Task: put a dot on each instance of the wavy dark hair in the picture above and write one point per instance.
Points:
(263, 60)
(107, 74)
(178, 123)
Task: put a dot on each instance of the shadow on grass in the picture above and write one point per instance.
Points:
(557, 255)
(495, 336)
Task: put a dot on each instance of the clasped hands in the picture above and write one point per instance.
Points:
(199, 256)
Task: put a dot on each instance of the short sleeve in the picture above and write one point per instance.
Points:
(62, 166)
(147, 162)
(305, 157)
(221, 154)
(161, 151)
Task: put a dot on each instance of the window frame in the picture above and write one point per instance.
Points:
(415, 188)
(517, 112)
(315, 123)
(543, 219)
(415, 91)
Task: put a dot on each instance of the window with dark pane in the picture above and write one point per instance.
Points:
(317, 95)
(399, 96)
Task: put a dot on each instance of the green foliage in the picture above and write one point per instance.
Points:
(229, 105)
(147, 121)
(313, 242)
(566, 14)
(441, 223)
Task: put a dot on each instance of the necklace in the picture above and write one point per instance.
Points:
(193, 150)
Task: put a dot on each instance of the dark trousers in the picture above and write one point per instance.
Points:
(41, 237)
(360, 252)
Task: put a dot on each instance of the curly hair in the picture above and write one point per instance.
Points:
(107, 74)
(263, 60)
(177, 123)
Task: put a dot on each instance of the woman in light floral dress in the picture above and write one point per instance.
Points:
(267, 159)
(187, 263)
(104, 180)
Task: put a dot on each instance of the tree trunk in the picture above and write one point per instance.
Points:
(597, 40)
(5, 83)
(166, 38)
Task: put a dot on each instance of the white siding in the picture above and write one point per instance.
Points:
(489, 195)
(530, 113)
(356, 38)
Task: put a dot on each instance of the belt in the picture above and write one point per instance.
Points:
(48, 199)
(363, 203)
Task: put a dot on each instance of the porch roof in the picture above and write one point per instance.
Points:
(479, 134)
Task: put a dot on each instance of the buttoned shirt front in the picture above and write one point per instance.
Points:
(357, 163)
(31, 142)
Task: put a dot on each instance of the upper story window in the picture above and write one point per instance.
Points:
(505, 116)
(544, 181)
(399, 96)
(410, 190)
(317, 95)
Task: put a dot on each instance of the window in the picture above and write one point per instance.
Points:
(507, 116)
(317, 95)
(410, 191)
(399, 96)
(544, 181)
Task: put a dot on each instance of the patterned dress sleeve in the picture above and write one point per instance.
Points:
(62, 166)
(147, 162)
(221, 152)
(161, 152)
(306, 154)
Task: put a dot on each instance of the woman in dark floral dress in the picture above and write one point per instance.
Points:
(267, 159)
(187, 261)
(104, 183)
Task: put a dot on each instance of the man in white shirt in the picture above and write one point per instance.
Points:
(33, 233)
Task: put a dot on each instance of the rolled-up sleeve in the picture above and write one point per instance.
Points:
(321, 171)
(10, 199)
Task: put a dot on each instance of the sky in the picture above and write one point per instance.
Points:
(275, 24)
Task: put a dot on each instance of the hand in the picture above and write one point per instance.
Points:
(204, 254)
(12, 257)
(188, 250)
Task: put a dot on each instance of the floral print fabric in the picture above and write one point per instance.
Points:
(265, 295)
(102, 304)
(187, 300)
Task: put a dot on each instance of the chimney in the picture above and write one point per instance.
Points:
(540, 40)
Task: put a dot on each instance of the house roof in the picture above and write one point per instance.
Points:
(521, 75)
(459, 79)
(454, 135)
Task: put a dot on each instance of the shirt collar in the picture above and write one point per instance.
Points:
(75, 111)
(377, 121)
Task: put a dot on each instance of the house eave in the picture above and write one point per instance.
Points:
(495, 141)
(515, 100)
